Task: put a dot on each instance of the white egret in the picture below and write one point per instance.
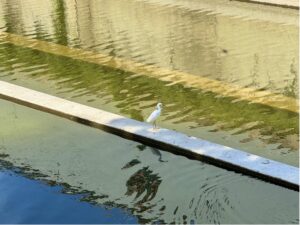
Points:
(155, 114)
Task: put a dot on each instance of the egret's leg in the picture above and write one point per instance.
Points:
(154, 123)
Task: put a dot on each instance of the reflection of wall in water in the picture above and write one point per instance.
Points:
(79, 23)
(2, 15)
(27, 17)
(247, 52)
(126, 29)
(11, 17)
(259, 53)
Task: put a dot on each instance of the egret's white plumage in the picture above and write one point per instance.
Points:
(155, 114)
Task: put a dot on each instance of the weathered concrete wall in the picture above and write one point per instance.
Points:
(172, 141)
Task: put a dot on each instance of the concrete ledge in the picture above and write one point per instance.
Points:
(293, 4)
(222, 156)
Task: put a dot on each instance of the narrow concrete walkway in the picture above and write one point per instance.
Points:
(294, 4)
(178, 143)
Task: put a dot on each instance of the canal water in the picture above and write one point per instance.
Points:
(234, 43)
(52, 170)
(25, 200)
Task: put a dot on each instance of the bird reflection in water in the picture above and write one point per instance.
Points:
(155, 151)
(143, 181)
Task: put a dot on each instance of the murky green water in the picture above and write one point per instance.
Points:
(150, 184)
(236, 43)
